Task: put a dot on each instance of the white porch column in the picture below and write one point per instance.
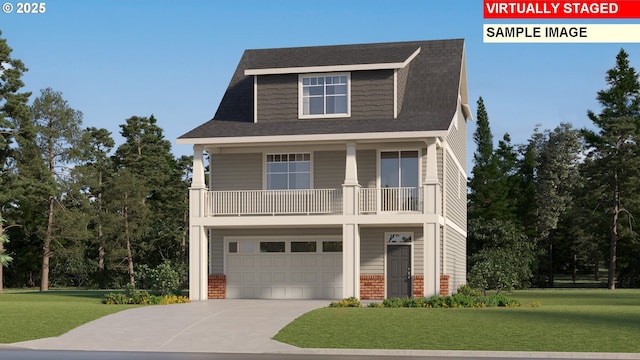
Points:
(350, 187)
(350, 231)
(432, 204)
(350, 260)
(198, 243)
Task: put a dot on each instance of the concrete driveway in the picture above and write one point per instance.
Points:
(245, 326)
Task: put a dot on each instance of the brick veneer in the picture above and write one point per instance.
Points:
(418, 285)
(217, 286)
(372, 287)
(444, 285)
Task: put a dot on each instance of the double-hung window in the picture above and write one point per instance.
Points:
(288, 171)
(324, 95)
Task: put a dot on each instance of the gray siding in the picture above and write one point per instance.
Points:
(372, 94)
(455, 195)
(403, 75)
(456, 265)
(457, 140)
(366, 160)
(328, 169)
(277, 97)
(372, 249)
(236, 171)
(217, 240)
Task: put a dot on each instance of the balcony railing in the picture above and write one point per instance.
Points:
(400, 199)
(310, 202)
(274, 202)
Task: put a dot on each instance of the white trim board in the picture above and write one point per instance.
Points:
(332, 68)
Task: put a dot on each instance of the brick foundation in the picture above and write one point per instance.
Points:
(418, 286)
(217, 286)
(371, 287)
(444, 285)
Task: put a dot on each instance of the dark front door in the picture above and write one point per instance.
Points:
(398, 271)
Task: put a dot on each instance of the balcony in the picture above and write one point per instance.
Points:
(397, 200)
(274, 202)
(311, 202)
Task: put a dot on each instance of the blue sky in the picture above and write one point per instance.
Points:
(115, 59)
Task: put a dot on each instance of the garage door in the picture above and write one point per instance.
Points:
(307, 268)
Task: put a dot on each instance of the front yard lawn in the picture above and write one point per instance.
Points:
(29, 314)
(568, 320)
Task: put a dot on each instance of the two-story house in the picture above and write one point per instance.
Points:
(333, 171)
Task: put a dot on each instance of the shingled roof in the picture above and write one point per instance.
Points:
(429, 103)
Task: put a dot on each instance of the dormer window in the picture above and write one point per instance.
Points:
(325, 95)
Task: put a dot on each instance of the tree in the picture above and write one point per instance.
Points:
(484, 167)
(13, 111)
(504, 261)
(613, 152)
(557, 178)
(5, 259)
(125, 198)
(147, 155)
(58, 131)
(91, 173)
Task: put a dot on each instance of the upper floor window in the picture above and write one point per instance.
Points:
(288, 171)
(324, 96)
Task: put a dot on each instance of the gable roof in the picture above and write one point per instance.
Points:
(429, 103)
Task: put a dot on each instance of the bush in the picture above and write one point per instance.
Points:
(392, 303)
(468, 290)
(348, 302)
(496, 300)
(162, 280)
(115, 299)
(141, 297)
(459, 300)
(436, 301)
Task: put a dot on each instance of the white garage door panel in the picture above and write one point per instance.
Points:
(284, 276)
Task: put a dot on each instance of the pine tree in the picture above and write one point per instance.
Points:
(614, 156)
(13, 110)
(58, 132)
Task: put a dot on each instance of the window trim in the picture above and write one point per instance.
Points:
(264, 168)
(301, 114)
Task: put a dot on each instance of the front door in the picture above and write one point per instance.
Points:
(399, 271)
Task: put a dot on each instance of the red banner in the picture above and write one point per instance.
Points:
(561, 9)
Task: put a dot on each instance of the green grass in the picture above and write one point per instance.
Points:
(568, 320)
(27, 314)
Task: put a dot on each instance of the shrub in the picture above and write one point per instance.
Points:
(115, 299)
(392, 303)
(375, 305)
(459, 300)
(348, 302)
(142, 297)
(436, 301)
(496, 300)
(468, 290)
(161, 280)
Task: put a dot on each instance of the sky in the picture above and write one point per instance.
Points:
(113, 59)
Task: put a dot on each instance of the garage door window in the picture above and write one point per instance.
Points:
(271, 246)
(332, 246)
(303, 246)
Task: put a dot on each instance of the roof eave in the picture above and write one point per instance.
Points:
(316, 138)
